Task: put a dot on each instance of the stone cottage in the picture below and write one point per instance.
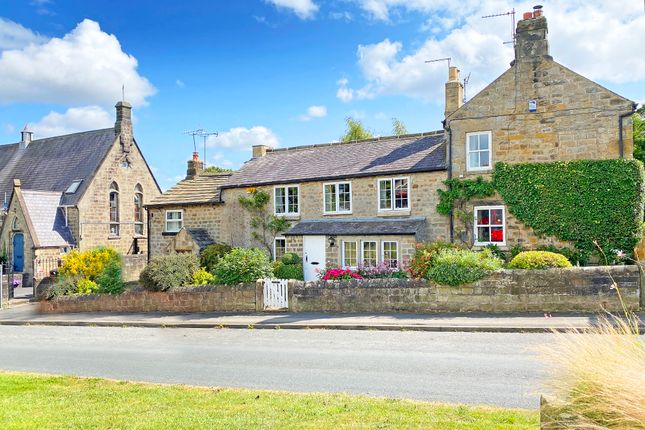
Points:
(369, 202)
(80, 190)
(189, 216)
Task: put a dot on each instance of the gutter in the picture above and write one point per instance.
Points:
(621, 143)
(446, 127)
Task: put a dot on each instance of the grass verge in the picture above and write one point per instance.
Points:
(29, 401)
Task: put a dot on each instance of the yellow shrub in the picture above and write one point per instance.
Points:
(538, 260)
(88, 264)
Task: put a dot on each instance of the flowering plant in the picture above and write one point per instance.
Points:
(16, 283)
(382, 270)
(335, 274)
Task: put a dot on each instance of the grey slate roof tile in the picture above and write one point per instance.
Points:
(201, 237)
(388, 155)
(359, 227)
(53, 163)
(47, 218)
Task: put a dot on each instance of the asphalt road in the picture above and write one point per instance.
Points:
(476, 368)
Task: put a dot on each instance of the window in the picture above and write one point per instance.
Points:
(138, 209)
(390, 253)
(114, 209)
(369, 255)
(393, 194)
(286, 200)
(73, 186)
(478, 150)
(174, 221)
(279, 248)
(349, 257)
(490, 225)
(338, 197)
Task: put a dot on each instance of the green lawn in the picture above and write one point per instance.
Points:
(29, 401)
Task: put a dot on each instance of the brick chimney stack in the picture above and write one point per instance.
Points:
(454, 91)
(195, 166)
(531, 36)
(123, 125)
(260, 150)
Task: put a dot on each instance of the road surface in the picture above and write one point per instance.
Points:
(499, 369)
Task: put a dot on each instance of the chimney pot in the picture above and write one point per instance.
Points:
(527, 15)
(531, 42)
(195, 166)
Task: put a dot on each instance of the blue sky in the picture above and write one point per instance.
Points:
(280, 72)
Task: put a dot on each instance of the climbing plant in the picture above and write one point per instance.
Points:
(582, 201)
(458, 193)
(265, 225)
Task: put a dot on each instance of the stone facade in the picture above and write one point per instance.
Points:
(16, 223)
(537, 111)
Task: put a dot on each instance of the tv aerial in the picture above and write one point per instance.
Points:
(204, 135)
(511, 13)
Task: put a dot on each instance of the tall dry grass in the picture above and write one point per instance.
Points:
(597, 377)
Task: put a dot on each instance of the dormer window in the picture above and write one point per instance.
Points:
(73, 186)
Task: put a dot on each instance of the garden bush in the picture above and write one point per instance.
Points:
(538, 260)
(380, 271)
(243, 265)
(422, 260)
(85, 286)
(88, 264)
(211, 255)
(110, 280)
(462, 266)
(97, 270)
(203, 277)
(289, 267)
(575, 256)
(166, 271)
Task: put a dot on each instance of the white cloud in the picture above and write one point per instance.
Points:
(73, 120)
(341, 16)
(314, 112)
(86, 66)
(244, 138)
(304, 9)
(180, 83)
(592, 37)
(15, 36)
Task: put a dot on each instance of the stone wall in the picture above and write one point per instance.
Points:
(208, 216)
(576, 289)
(239, 298)
(132, 266)
(16, 223)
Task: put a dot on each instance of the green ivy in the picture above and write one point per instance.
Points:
(462, 189)
(581, 201)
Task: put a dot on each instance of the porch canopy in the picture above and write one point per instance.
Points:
(359, 227)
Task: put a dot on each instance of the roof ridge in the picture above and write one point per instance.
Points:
(62, 135)
(350, 142)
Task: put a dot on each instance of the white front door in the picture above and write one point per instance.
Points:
(313, 256)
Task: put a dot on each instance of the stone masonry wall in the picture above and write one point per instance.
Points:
(8, 231)
(423, 201)
(94, 206)
(238, 298)
(208, 216)
(577, 289)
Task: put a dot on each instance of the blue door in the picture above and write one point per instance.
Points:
(18, 252)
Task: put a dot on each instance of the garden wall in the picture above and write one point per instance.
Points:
(241, 298)
(575, 289)
(133, 265)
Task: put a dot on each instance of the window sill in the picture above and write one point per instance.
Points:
(393, 213)
(113, 237)
(169, 233)
(293, 217)
(501, 245)
(336, 213)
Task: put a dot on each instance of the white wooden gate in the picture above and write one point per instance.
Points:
(276, 294)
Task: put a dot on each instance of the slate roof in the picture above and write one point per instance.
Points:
(202, 189)
(201, 237)
(53, 163)
(358, 227)
(47, 218)
(422, 152)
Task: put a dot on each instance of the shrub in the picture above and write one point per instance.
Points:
(575, 256)
(291, 258)
(462, 266)
(211, 255)
(88, 264)
(538, 260)
(338, 274)
(202, 277)
(422, 260)
(85, 286)
(110, 280)
(243, 265)
(494, 249)
(382, 270)
(64, 286)
(597, 377)
(288, 271)
(167, 271)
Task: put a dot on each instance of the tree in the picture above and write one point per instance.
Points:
(266, 225)
(217, 169)
(355, 131)
(398, 128)
(638, 120)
